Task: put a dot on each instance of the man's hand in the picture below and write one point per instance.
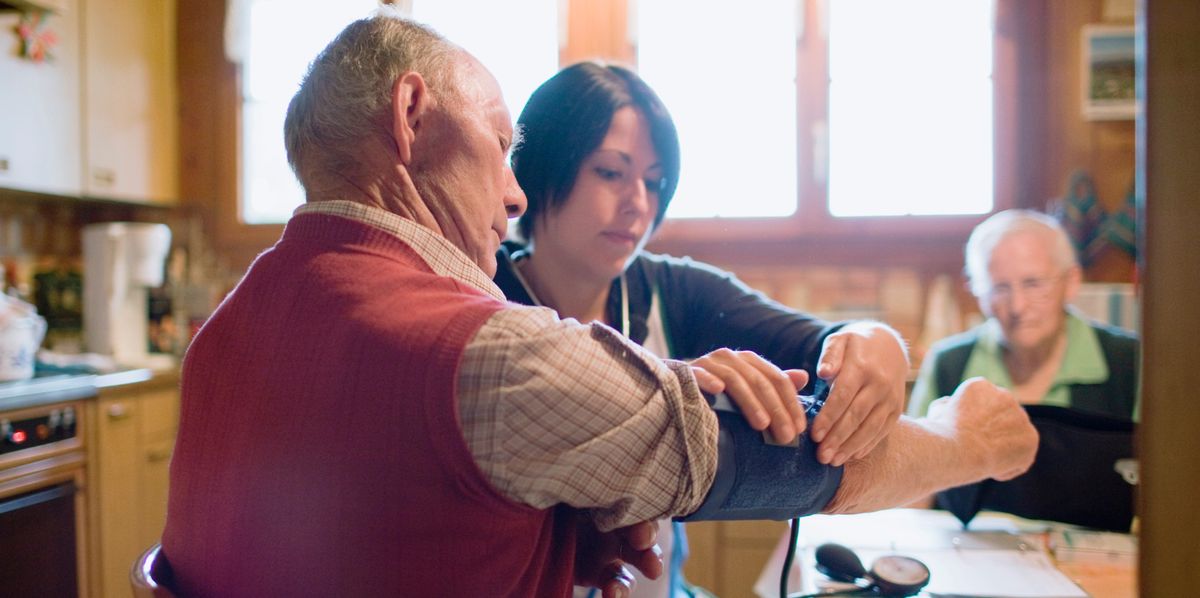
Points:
(867, 366)
(989, 422)
(766, 394)
(600, 557)
(980, 432)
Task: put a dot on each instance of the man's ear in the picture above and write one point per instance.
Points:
(1073, 281)
(410, 103)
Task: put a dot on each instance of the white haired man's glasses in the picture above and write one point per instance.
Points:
(1037, 290)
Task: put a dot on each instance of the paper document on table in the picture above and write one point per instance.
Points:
(958, 572)
(1072, 546)
(999, 557)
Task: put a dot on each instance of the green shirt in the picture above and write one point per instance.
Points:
(1083, 363)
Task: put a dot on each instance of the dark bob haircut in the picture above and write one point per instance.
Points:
(567, 118)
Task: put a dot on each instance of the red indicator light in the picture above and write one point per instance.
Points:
(18, 436)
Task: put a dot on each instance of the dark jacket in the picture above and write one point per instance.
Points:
(703, 308)
(1114, 397)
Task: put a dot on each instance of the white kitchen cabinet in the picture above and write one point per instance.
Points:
(40, 128)
(130, 115)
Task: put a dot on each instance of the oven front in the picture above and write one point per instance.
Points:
(42, 502)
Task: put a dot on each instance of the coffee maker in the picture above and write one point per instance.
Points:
(121, 261)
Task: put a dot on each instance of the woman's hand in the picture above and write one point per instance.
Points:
(765, 394)
(867, 365)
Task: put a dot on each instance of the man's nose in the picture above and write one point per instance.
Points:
(514, 198)
(1017, 300)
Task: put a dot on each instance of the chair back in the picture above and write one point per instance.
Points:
(151, 576)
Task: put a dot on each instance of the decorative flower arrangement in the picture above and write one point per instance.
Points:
(37, 39)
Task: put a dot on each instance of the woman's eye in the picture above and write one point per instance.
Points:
(608, 174)
(654, 185)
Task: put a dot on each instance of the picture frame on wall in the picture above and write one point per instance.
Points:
(1108, 72)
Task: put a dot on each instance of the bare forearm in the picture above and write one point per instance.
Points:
(918, 458)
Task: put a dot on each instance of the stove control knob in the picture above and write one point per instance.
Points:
(68, 422)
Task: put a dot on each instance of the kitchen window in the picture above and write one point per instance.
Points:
(517, 41)
(910, 123)
(729, 79)
(275, 40)
(793, 115)
(899, 126)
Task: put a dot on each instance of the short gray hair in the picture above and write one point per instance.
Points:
(345, 98)
(1001, 225)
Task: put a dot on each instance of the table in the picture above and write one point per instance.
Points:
(1101, 564)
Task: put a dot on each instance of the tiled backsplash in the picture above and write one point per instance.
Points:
(40, 242)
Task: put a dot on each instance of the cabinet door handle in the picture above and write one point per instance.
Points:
(104, 177)
(158, 455)
(117, 412)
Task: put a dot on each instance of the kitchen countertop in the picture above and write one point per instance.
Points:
(56, 388)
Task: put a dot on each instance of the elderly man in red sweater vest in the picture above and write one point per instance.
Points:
(366, 415)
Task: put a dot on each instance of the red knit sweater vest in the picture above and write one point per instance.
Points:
(319, 450)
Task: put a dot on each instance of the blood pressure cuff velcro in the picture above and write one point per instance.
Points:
(758, 480)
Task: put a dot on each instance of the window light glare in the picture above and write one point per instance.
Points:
(910, 122)
(283, 36)
(517, 41)
(732, 93)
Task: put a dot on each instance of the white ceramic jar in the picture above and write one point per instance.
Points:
(20, 337)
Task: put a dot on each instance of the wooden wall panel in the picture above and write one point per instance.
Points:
(209, 133)
(1069, 142)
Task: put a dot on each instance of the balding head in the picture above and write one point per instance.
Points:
(345, 101)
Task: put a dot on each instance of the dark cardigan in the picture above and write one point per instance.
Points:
(703, 308)
(1114, 397)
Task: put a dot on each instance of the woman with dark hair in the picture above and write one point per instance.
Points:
(569, 117)
(599, 163)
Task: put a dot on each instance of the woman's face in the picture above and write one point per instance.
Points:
(1028, 292)
(608, 215)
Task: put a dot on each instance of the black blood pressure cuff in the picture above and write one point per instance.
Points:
(759, 480)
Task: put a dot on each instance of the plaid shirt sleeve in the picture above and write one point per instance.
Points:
(554, 411)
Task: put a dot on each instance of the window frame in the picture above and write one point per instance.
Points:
(813, 223)
(212, 161)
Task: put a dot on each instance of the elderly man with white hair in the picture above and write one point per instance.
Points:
(1024, 273)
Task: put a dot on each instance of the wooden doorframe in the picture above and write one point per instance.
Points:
(1169, 218)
